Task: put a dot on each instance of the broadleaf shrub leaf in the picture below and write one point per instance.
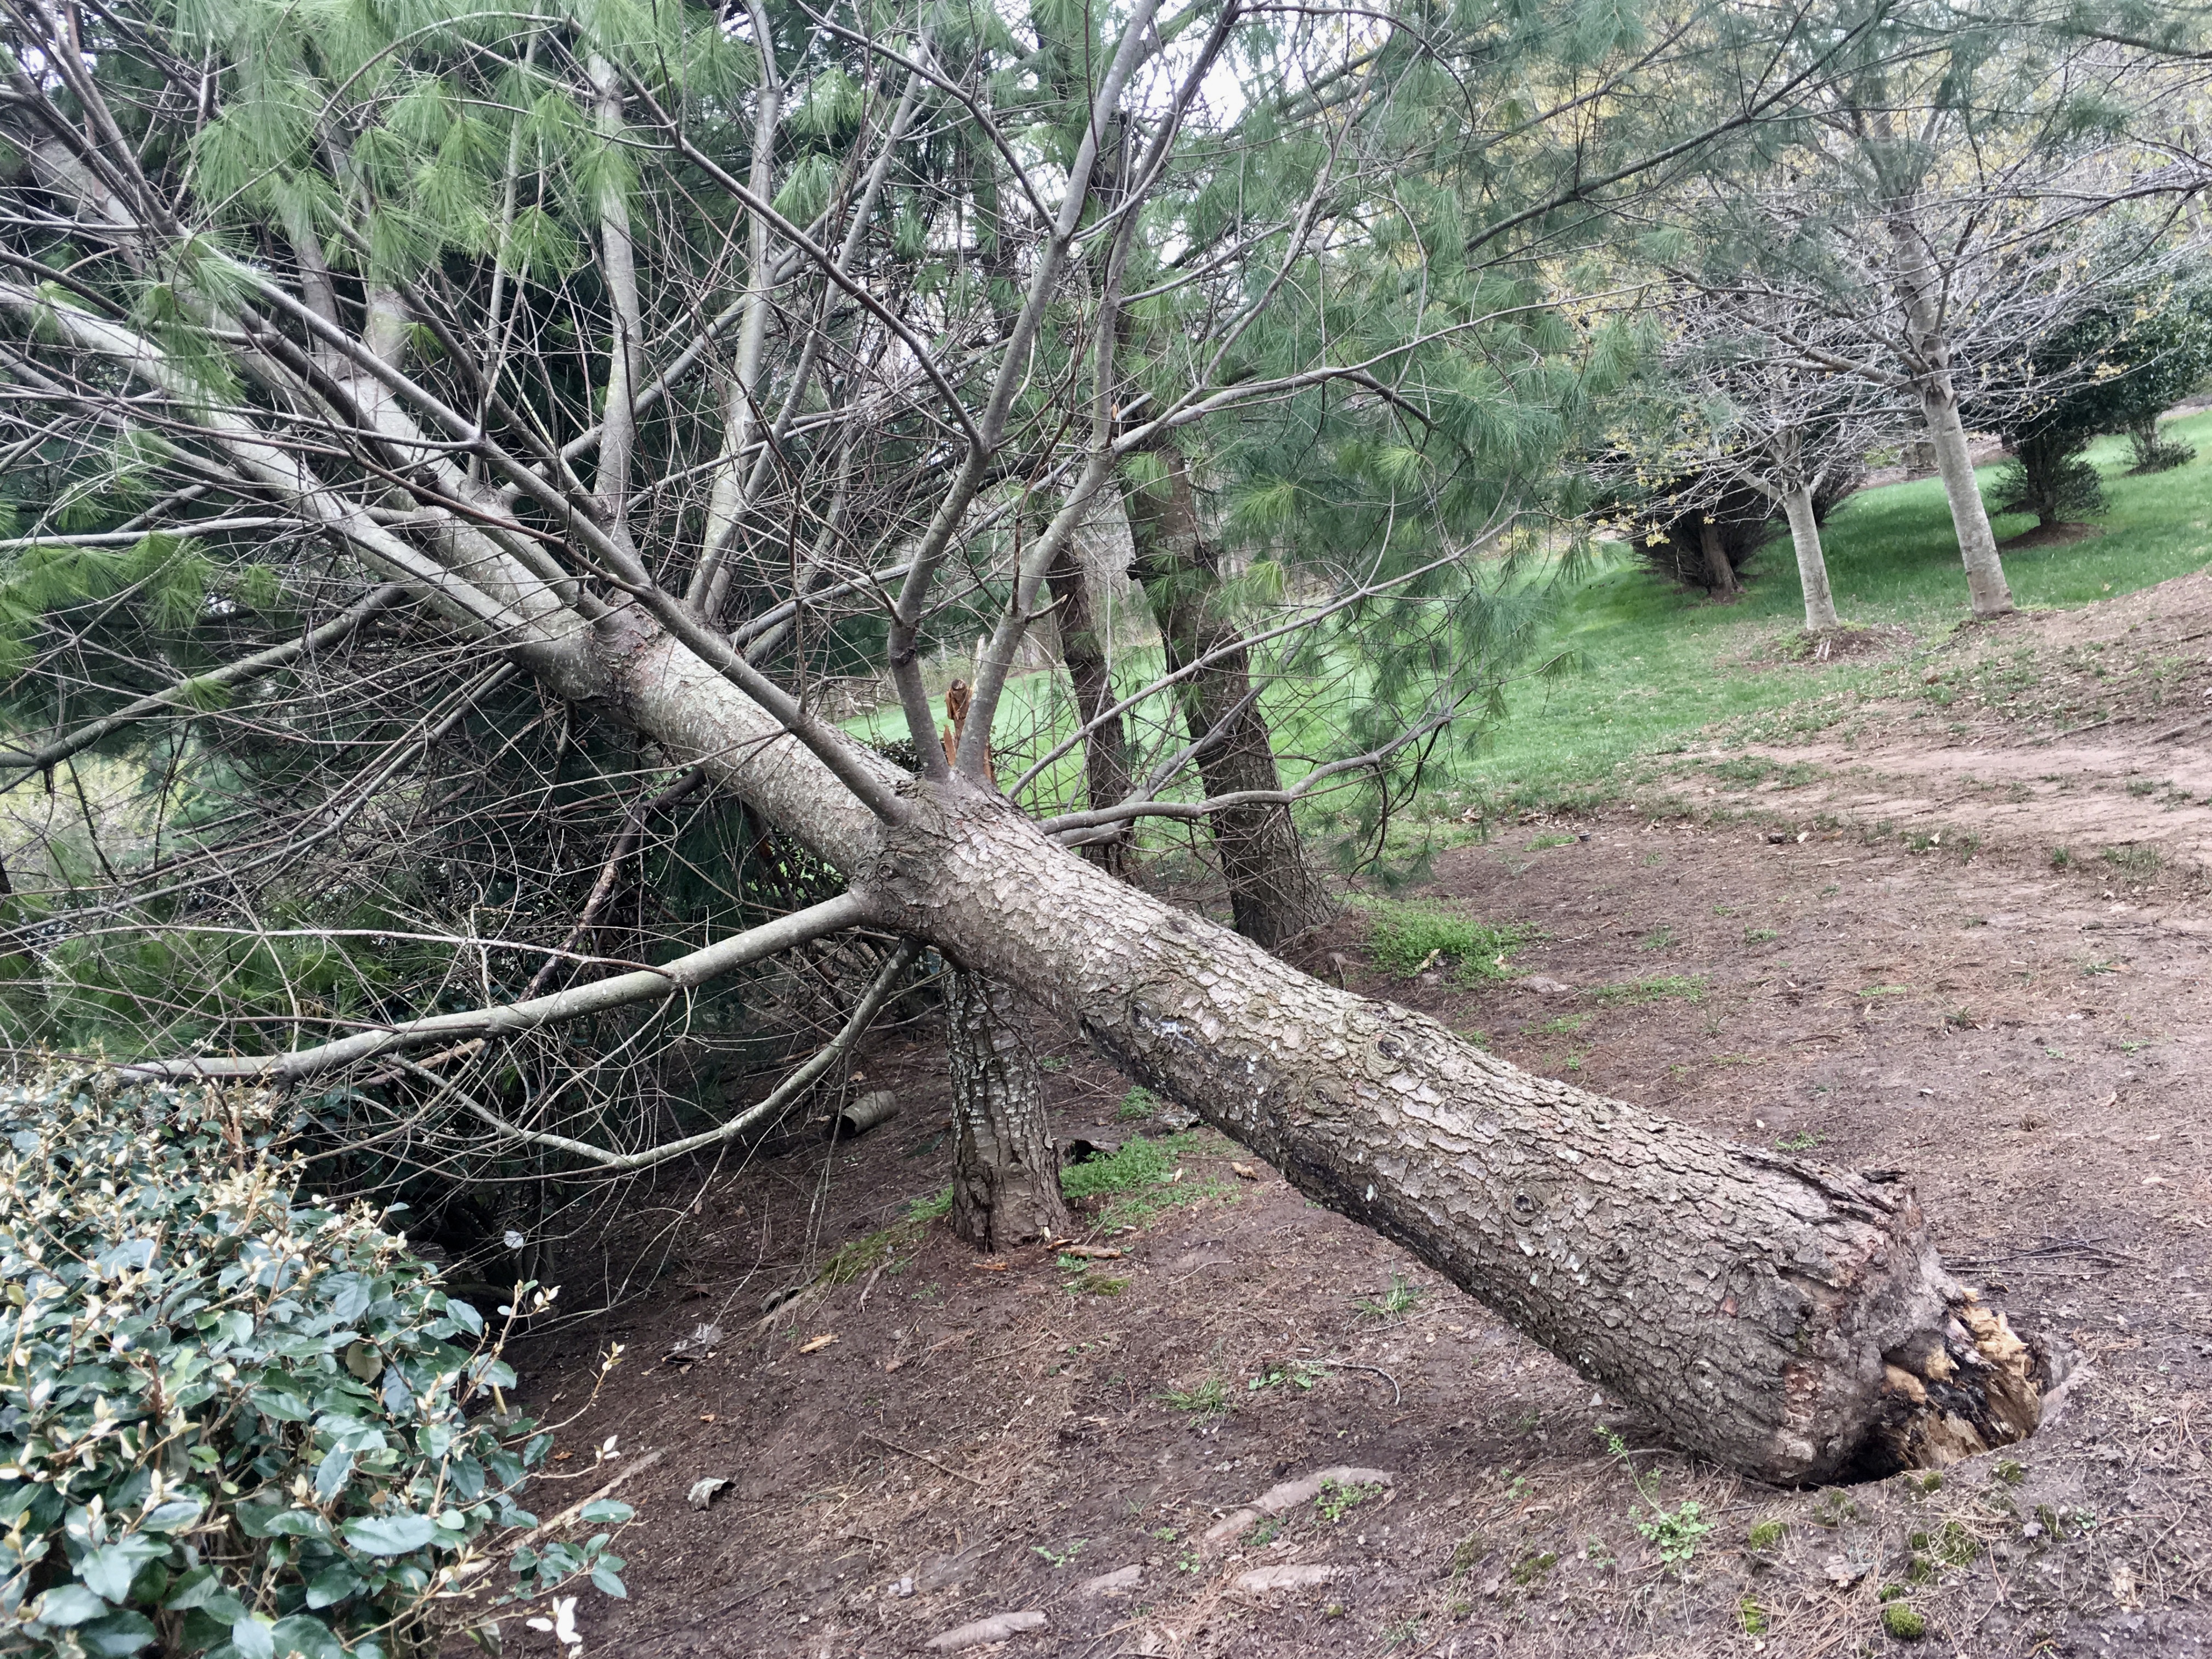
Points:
(389, 1534)
(70, 1604)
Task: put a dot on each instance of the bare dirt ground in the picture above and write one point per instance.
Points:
(1857, 945)
(2086, 730)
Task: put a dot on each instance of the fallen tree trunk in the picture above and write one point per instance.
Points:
(1792, 1321)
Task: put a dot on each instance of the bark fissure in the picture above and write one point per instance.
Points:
(1006, 1170)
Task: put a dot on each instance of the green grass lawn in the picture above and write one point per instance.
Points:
(1659, 664)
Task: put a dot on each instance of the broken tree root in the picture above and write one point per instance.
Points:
(1974, 1387)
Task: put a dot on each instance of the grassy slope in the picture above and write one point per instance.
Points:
(1660, 663)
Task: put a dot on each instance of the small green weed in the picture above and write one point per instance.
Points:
(1405, 1633)
(1766, 1534)
(1803, 1141)
(1759, 935)
(1530, 1568)
(1543, 841)
(1209, 1399)
(1276, 1373)
(1659, 938)
(929, 1209)
(1564, 1025)
(1062, 1556)
(1685, 988)
(1399, 1300)
(1137, 1104)
(1673, 1533)
(1406, 939)
(1752, 1616)
(1337, 1498)
(2136, 860)
(2062, 858)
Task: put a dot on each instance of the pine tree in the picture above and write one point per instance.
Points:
(665, 361)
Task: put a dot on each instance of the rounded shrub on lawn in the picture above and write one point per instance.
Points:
(232, 1422)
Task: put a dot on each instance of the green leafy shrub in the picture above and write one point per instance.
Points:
(231, 1422)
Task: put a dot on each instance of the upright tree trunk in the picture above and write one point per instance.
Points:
(1271, 893)
(1791, 1320)
(1811, 563)
(1005, 1170)
(1716, 559)
(1978, 544)
(1929, 353)
(1106, 749)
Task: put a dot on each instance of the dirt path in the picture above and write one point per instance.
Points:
(2087, 730)
(2031, 1046)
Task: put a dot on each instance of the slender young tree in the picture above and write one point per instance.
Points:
(1726, 406)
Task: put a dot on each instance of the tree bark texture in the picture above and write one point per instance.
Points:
(1083, 648)
(1271, 894)
(1978, 544)
(1006, 1170)
(1811, 562)
(1790, 1319)
(1716, 559)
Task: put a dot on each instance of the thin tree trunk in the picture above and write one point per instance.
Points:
(1791, 1320)
(1271, 894)
(1978, 543)
(1811, 562)
(1716, 558)
(1929, 353)
(1106, 749)
(1006, 1170)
